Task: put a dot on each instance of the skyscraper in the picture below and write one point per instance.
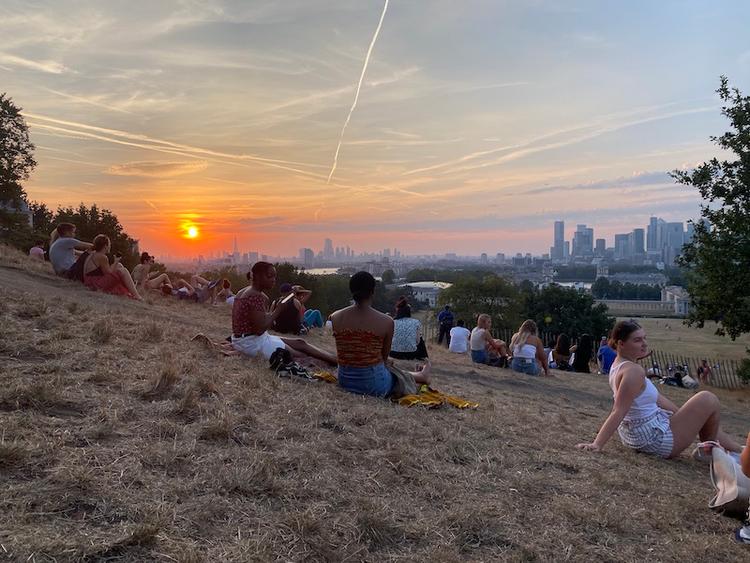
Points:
(328, 253)
(558, 248)
(583, 241)
(651, 234)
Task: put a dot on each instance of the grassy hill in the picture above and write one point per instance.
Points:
(121, 440)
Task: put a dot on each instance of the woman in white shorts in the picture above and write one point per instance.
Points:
(645, 419)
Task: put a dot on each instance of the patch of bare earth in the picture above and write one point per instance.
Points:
(121, 440)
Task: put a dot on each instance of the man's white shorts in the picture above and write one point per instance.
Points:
(264, 344)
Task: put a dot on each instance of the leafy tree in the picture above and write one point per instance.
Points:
(388, 277)
(16, 152)
(16, 163)
(91, 221)
(718, 257)
(493, 295)
(601, 289)
(558, 309)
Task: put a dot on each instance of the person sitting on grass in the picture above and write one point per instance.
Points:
(225, 294)
(64, 249)
(252, 318)
(645, 419)
(528, 350)
(605, 356)
(37, 251)
(363, 340)
(407, 343)
(584, 351)
(459, 338)
(704, 372)
(311, 318)
(99, 275)
(484, 348)
(289, 319)
(560, 356)
(145, 279)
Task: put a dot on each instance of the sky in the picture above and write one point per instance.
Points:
(477, 122)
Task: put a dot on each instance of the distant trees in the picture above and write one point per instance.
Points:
(603, 288)
(388, 277)
(718, 257)
(558, 309)
(493, 295)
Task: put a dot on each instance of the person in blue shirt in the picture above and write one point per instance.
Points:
(445, 321)
(605, 356)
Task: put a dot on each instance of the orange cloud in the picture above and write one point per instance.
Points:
(153, 169)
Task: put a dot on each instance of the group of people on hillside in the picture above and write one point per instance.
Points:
(89, 263)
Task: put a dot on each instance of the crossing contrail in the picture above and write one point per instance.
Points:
(356, 94)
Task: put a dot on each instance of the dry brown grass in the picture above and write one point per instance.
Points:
(226, 462)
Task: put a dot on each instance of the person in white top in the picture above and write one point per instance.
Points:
(528, 350)
(644, 418)
(459, 338)
(484, 348)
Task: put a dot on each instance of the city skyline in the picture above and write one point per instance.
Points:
(283, 123)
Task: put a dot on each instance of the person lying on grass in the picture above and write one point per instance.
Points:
(645, 419)
(251, 319)
(144, 278)
(363, 342)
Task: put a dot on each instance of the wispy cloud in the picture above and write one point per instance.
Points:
(576, 134)
(153, 169)
(95, 101)
(50, 67)
(146, 142)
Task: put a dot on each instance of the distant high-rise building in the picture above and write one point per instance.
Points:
(483, 258)
(583, 241)
(601, 247)
(500, 258)
(566, 252)
(307, 257)
(386, 253)
(651, 234)
(557, 250)
(621, 246)
(328, 249)
(252, 257)
(635, 243)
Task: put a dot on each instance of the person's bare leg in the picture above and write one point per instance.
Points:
(745, 457)
(700, 416)
(199, 281)
(727, 442)
(299, 345)
(127, 279)
(158, 281)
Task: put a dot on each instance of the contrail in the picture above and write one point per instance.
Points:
(356, 94)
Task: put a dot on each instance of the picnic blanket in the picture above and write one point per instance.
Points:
(426, 397)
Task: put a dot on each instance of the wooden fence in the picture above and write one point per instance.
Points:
(723, 372)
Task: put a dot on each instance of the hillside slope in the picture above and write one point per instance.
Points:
(121, 440)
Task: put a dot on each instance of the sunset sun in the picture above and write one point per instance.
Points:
(192, 232)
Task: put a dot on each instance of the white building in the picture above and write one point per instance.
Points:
(427, 290)
(679, 297)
